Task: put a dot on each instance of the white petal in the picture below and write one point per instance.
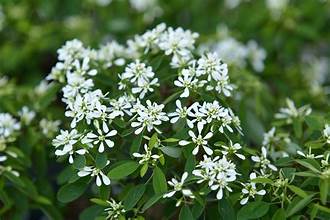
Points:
(98, 180)
(101, 147)
(261, 192)
(105, 179)
(184, 142)
(184, 177)
(244, 201)
(109, 143)
(195, 151)
(208, 150)
(220, 194)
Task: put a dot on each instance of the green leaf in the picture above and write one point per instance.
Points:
(185, 214)
(174, 152)
(170, 140)
(298, 191)
(124, 169)
(253, 210)
(79, 161)
(297, 127)
(226, 210)
(133, 196)
(153, 141)
(72, 191)
(279, 215)
(159, 181)
(197, 210)
(151, 201)
(324, 189)
(172, 97)
(262, 180)
(91, 212)
(300, 204)
(314, 122)
(99, 202)
(310, 164)
(136, 143)
(101, 160)
(144, 169)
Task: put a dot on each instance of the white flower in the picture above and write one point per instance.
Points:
(115, 210)
(8, 125)
(120, 107)
(269, 137)
(48, 128)
(218, 172)
(276, 7)
(67, 139)
(187, 82)
(71, 50)
(178, 187)
(177, 41)
(71, 152)
(149, 117)
(263, 161)
(223, 85)
(180, 112)
(138, 72)
(93, 171)
(86, 107)
(291, 112)
(147, 156)
(145, 87)
(250, 190)
(326, 133)
(82, 68)
(26, 115)
(220, 184)
(42, 88)
(76, 84)
(309, 155)
(211, 66)
(257, 55)
(232, 149)
(198, 140)
(102, 137)
(231, 51)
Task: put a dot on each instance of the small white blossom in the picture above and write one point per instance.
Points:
(147, 156)
(26, 115)
(263, 161)
(250, 190)
(49, 128)
(232, 149)
(149, 117)
(8, 125)
(178, 187)
(309, 154)
(291, 112)
(93, 171)
(198, 140)
(326, 133)
(115, 210)
(218, 172)
(100, 138)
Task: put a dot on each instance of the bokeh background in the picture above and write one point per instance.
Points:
(294, 35)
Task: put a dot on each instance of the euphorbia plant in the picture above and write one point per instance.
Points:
(151, 123)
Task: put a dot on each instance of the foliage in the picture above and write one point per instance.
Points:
(226, 118)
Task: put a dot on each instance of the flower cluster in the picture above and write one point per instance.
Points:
(250, 53)
(162, 89)
(217, 172)
(290, 113)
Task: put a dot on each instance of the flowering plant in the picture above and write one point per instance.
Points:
(145, 114)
